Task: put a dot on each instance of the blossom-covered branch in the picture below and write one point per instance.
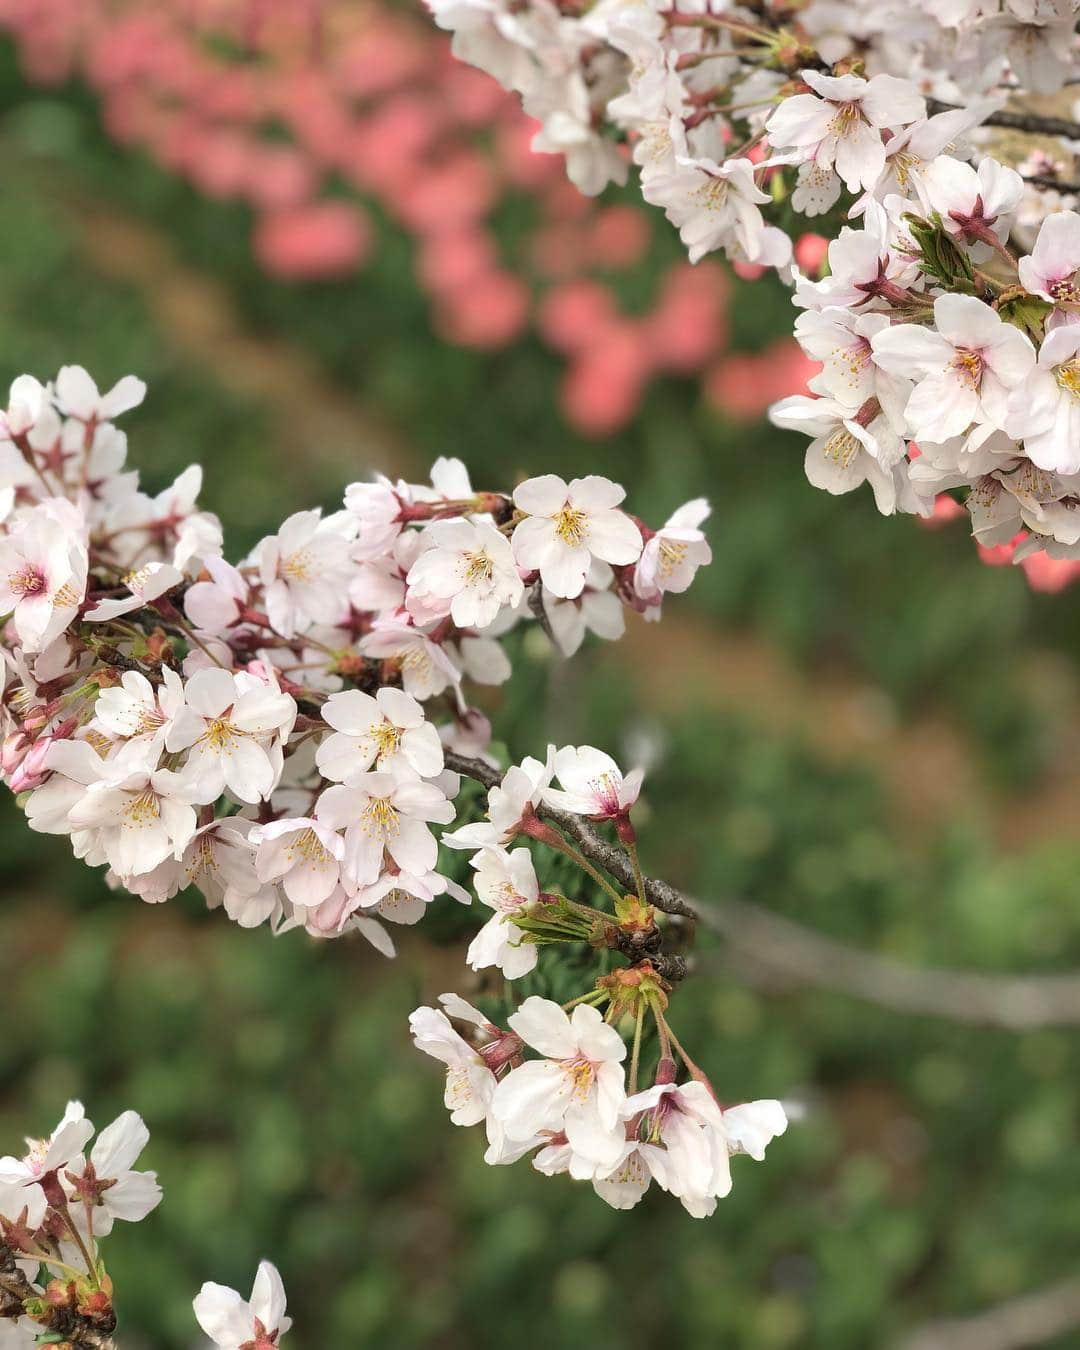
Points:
(945, 320)
(275, 732)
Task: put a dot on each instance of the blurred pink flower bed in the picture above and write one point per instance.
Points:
(311, 111)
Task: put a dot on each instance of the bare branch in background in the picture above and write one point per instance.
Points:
(1048, 181)
(1030, 1320)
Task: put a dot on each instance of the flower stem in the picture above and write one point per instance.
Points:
(91, 1264)
(635, 863)
(593, 994)
(635, 1053)
(47, 1260)
(695, 1070)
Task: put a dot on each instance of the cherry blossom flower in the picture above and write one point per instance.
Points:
(305, 569)
(385, 813)
(717, 205)
(977, 204)
(838, 125)
(137, 814)
(507, 883)
(108, 1183)
(596, 610)
(77, 396)
(134, 710)
(231, 726)
(215, 605)
(509, 803)
(467, 571)
(1050, 269)
(862, 265)
(43, 566)
(220, 862)
(1045, 409)
(386, 729)
(470, 1084)
(27, 402)
(577, 1088)
(698, 1139)
(593, 785)
(963, 369)
(233, 1323)
(426, 668)
(144, 586)
(22, 1202)
(673, 553)
(303, 854)
(44, 1157)
(378, 512)
(844, 454)
(566, 526)
(841, 339)
(401, 897)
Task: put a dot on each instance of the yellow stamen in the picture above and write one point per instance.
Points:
(582, 1075)
(672, 552)
(479, 566)
(571, 525)
(307, 849)
(842, 447)
(221, 735)
(1068, 377)
(298, 566)
(379, 818)
(143, 810)
(969, 366)
(387, 738)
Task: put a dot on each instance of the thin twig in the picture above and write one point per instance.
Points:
(1049, 181)
(1034, 124)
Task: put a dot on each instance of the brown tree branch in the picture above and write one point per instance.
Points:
(1034, 124)
(1048, 181)
(1030, 1320)
(768, 947)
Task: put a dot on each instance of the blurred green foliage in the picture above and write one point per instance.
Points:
(933, 1169)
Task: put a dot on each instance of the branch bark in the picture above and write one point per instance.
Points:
(1034, 124)
(769, 947)
(1046, 181)
(1030, 1320)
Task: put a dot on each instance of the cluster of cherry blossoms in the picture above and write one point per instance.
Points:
(277, 732)
(57, 1202)
(577, 1108)
(946, 320)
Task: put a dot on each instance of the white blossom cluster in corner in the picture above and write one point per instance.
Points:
(274, 731)
(58, 1200)
(946, 318)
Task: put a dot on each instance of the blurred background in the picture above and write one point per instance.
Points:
(327, 249)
